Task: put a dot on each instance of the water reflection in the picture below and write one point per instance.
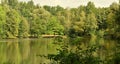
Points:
(25, 51)
(108, 50)
(24, 45)
(2, 52)
(32, 51)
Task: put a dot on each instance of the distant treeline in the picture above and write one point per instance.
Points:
(24, 19)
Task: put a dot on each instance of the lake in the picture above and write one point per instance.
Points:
(31, 51)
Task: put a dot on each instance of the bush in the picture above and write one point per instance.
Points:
(79, 56)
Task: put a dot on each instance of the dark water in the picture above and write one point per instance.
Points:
(31, 51)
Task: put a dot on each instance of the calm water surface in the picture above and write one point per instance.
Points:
(25, 51)
(30, 51)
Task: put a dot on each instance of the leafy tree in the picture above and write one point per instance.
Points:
(54, 27)
(67, 21)
(12, 23)
(53, 10)
(2, 21)
(90, 8)
(79, 56)
(12, 3)
(111, 23)
(23, 28)
(101, 18)
(82, 8)
(91, 24)
(78, 27)
(38, 22)
(111, 19)
(81, 21)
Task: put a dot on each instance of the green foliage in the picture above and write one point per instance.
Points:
(90, 8)
(39, 21)
(53, 10)
(24, 19)
(91, 24)
(79, 56)
(78, 27)
(101, 18)
(91, 54)
(54, 26)
(116, 57)
(2, 21)
(82, 21)
(23, 28)
(12, 23)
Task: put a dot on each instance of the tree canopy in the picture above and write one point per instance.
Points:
(25, 19)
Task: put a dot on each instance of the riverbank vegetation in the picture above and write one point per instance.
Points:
(86, 51)
(25, 19)
(85, 23)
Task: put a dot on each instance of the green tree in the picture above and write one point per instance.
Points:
(78, 27)
(12, 23)
(78, 56)
(53, 10)
(23, 28)
(12, 3)
(90, 8)
(91, 24)
(38, 21)
(2, 21)
(54, 27)
(101, 18)
(67, 20)
(115, 8)
(112, 19)
(111, 23)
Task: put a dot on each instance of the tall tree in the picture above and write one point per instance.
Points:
(111, 23)
(78, 27)
(2, 21)
(12, 3)
(91, 23)
(90, 8)
(54, 27)
(38, 22)
(101, 18)
(12, 23)
(23, 28)
(111, 18)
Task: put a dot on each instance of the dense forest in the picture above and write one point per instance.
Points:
(89, 31)
(25, 19)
